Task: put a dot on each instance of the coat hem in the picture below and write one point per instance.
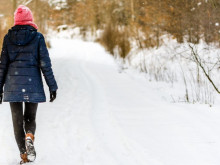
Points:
(28, 101)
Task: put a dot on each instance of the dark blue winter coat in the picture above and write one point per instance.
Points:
(24, 55)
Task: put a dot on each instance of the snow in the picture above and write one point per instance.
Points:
(74, 32)
(104, 117)
(193, 9)
(173, 62)
(58, 4)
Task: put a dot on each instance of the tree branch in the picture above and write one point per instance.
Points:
(198, 61)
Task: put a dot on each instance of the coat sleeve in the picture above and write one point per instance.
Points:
(4, 61)
(46, 66)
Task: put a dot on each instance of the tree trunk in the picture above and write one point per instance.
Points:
(132, 10)
(14, 5)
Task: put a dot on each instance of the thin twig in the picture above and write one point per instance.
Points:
(26, 3)
(198, 61)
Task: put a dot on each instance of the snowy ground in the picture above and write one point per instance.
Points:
(103, 117)
(174, 63)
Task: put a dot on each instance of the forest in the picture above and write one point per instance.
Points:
(124, 21)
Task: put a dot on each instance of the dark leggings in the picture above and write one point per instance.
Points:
(23, 123)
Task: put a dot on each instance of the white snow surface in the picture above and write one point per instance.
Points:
(105, 117)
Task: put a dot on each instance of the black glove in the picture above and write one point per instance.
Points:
(53, 95)
(0, 98)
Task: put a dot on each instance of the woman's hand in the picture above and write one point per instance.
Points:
(53, 95)
(0, 98)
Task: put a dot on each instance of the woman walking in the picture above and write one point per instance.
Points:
(24, 55)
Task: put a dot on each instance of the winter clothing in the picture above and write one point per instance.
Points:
(53, 95)
(23, 158)
(29, 136)
(29, 141)
(24, 55)
(23, 124)
(23, 16)
(30, 112)
(1, 98)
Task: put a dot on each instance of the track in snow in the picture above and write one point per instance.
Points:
(105, 117)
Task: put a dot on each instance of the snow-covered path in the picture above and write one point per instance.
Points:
(103, 117)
